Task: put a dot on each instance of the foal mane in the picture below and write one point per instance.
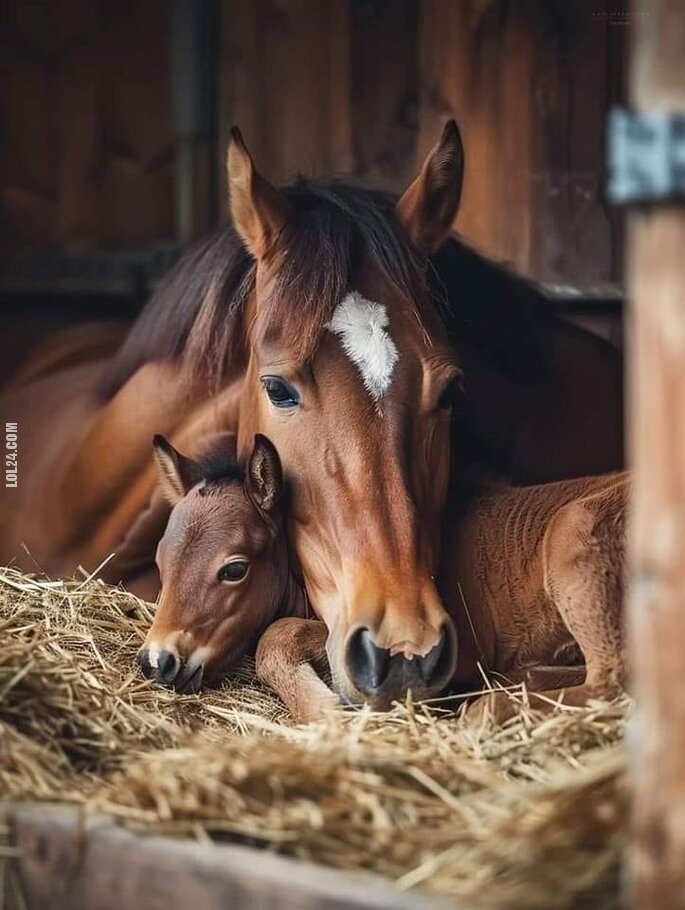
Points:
(195, 311)
(219, 465)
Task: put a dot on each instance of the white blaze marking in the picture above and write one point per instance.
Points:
(362, 327)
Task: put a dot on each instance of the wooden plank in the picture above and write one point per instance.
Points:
(69, 861)
(135, 182)
(285, 81)
(573, 234)
(86, 157)
(78, 137)
(529, 83)
(454, 84)
(384, 84)
(656, 274)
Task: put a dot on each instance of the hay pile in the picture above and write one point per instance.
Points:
(529, 815)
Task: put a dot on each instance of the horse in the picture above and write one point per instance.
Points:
(223, 561)
(334, 320)
(226, 576)
(532, 578)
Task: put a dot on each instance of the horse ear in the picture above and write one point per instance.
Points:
(430, 204)
(177, 474)
(264, 482)
(259, 211)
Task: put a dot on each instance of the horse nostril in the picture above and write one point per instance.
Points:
(367, 664)
(168, 667)
(436, 662)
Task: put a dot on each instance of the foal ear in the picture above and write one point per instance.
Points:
(177, 474)
(259, 211)
(430, 204)
(264, 480)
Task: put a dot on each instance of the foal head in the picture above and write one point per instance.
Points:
(222, 561)
(350, 373)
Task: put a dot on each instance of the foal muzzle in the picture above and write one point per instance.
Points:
(171, 670)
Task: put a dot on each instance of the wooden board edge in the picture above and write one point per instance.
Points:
(69, 859)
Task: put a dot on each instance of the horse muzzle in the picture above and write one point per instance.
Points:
(381, 675)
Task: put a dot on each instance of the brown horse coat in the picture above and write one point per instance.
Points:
(533, 579)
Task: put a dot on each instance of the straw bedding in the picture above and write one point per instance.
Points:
(531, 814)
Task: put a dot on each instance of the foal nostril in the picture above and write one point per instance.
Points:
(168, 667)
(367, 664)
(144, 663)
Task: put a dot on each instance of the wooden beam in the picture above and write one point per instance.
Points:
(656, 610)
(69, 860)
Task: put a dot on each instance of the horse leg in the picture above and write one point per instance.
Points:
(286, 657)
(585, 550)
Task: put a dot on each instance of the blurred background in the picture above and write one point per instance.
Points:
(114, 119)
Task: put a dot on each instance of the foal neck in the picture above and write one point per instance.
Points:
(295, 602)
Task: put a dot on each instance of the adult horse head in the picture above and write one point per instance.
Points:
(350, 373)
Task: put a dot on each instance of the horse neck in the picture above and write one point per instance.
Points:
(106, 496)
(535, 384)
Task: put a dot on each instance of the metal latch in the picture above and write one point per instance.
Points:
(646, 157)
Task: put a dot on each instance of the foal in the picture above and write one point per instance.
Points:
(534, 577)
(224, 569)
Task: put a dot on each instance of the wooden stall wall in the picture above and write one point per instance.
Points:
(86, 149)
(530, 83)
(356, 87)
(362, 87)
(285, 80)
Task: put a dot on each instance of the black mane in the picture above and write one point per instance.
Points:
(195, 311)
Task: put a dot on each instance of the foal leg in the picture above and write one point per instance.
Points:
(546, 678)
(286, 657)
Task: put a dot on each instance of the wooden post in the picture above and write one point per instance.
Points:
(656, 276)
(193, 77)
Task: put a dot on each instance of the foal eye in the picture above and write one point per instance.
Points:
(281, 394)
(235, 570)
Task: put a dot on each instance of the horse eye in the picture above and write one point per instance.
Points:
(235, 570)
(281, 395)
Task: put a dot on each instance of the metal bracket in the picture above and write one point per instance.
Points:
(646, 157)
